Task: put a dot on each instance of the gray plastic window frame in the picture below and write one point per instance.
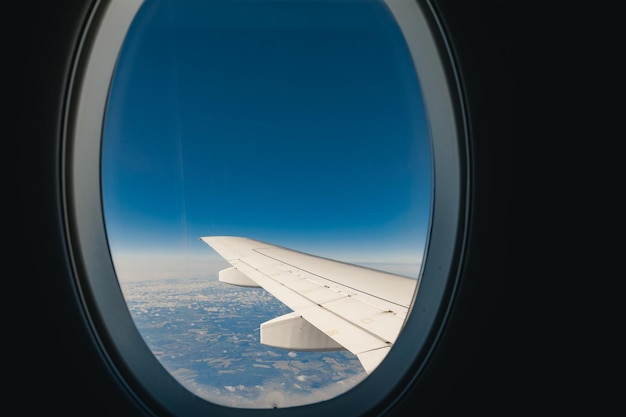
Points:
(119, 341)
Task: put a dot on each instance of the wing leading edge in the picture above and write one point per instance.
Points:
(336, 306)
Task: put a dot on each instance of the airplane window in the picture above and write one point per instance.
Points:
(266, 179)
(299, 124)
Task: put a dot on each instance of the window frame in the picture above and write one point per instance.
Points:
(103, 302)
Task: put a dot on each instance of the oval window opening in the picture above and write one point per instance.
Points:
(267, 183)
(251, 189)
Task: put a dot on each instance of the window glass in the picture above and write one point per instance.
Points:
(297, 123)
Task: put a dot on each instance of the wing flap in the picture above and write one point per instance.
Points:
(384, 324)
(372, 358)
(352, 337)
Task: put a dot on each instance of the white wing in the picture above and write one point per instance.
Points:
(335, 305)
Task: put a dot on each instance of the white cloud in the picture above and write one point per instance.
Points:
(270, 395)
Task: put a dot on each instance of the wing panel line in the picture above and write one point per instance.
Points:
(331, 280)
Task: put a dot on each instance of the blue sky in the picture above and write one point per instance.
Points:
(298, 123)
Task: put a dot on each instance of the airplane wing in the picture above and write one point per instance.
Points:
(336, 306)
